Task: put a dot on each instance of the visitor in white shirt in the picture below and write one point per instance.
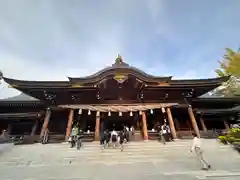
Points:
(114, 135)
(196, 146)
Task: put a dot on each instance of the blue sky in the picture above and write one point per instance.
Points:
(53, 39)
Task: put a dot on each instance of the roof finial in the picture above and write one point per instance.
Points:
(119, 59)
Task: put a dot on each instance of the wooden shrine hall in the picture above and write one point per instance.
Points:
(117, 95)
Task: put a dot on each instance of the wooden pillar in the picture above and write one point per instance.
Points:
(171, 123)
(144, 126)
(69, 124)
(34, 128)
(203, 124)
(193, 120)
(226, 125)
(97, 129)
(46, 121)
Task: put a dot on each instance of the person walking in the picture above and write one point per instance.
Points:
(196, 147)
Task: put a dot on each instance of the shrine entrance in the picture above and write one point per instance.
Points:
(117, 122)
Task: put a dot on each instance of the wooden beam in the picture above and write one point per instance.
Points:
(136, 83)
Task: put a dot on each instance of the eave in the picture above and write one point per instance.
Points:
(21, 103)
(217, 100)
(234, 110)
(41, 84)
(20, 115)
(198, 82)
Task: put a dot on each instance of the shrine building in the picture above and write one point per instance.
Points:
(115, 96)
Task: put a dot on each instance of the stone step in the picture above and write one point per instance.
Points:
(111, 151)
(91, 147)
(133, 143)
(132, 148)
(115, 154)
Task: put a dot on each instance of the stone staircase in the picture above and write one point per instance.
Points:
(141, 151)
(139, 160)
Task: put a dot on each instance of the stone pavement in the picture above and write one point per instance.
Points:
(5, 147)
(139, 160)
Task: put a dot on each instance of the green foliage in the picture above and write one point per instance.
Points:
(236, 143)
(232, 136)
(234, 132)
(223, 139)
(230, 65)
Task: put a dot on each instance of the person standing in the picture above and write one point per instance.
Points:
(103, 139)
(108, 138)
(127, 134)
(196, 147)
(163, 133)
(114, 138)
(121, 139)
(132, 132)
(74, 134)
(79, 139)
(169, 133)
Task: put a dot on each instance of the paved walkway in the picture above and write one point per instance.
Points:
(140, 160)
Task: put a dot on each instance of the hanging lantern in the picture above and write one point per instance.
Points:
(131, 113)
(89, 112)
(120, 113)
(151, 111)
(80, 111)
(98, 113)
(140, 112)
(163, 110)
(109, 113)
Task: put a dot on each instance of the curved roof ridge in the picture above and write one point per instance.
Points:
(116, 68)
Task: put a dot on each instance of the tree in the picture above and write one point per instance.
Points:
(230, 66)
(1, 75)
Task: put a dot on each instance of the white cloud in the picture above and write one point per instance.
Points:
(52, 39)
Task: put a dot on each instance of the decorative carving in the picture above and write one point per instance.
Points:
(120, 78)
(163, 84)
(188, 94)
(98, 95)
(76, 86)
(12, 86)
(49, 96)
